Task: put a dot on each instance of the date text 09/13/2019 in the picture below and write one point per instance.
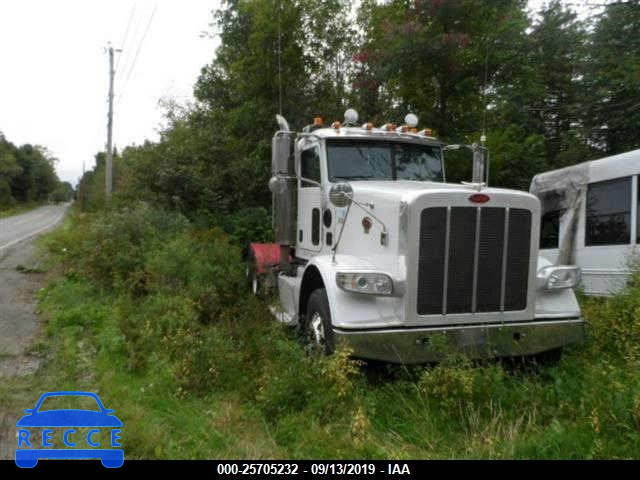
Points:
(320, 468)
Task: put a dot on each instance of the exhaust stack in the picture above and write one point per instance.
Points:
(283, 185)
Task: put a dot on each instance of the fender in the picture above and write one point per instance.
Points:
(555, 304)
(348, 309)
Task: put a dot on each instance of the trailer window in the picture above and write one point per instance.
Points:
(379, 160)
(609, 212)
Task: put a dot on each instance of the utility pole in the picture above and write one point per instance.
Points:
(109, 166)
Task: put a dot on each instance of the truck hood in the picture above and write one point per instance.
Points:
(407, 190)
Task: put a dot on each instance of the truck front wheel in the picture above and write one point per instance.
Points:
(317, 325)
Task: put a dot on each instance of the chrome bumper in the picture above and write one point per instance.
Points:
(420, 345)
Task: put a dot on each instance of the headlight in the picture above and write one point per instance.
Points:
(373, 283)
(556, 277)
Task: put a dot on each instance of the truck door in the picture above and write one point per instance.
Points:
(309, 235)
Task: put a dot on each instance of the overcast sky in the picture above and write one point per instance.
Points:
(54, 77)
(54, 71)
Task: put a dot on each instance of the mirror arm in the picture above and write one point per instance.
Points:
(312, 182)
(367, 211)
(344, 222)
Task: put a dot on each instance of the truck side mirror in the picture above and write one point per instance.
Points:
(340, 194)
(480, 163)
(281, 158)
(277, 184)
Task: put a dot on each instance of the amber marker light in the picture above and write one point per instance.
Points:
(366, 224)
(317, 121)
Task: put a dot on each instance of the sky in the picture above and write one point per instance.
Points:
(54, 76)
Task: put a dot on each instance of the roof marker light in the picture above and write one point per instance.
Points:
(350, 117)
(336, 125)
(367, 126)
(317, 121)
(411, 120)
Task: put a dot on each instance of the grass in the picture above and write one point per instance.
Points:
(18, 209)
(195, 370)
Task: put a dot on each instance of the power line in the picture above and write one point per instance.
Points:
(135, 58)
(132, 40)
(126, 33)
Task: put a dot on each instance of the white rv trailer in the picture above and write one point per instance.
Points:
(590, 218)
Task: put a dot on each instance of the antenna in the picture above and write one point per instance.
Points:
(483, 137)
(279, 58)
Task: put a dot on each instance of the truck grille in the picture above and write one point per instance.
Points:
(473, 260)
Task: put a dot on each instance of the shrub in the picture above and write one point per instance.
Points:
(249, 224)
(201, 265)
(117, 242)
(614, 323)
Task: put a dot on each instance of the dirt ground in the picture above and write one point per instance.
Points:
(20, 327)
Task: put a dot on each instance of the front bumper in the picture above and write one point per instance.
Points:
(421, 345)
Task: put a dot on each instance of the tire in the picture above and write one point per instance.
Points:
(318, 328)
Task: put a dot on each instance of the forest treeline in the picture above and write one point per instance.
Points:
(550, 88)
(27, 175)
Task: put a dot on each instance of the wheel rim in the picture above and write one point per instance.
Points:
(316, 329)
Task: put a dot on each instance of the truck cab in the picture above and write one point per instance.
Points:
(375, 249)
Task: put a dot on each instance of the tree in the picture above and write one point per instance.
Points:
(547, 96)
(63, 193)
(437, 58)
(613, 116)
(9, 170)
(38, 178)
(215, 156)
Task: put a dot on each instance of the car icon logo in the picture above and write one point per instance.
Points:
(68, 421)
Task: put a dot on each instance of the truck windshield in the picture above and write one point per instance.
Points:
(376, 160)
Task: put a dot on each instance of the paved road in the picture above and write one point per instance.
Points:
(20, 324)
(20, 227)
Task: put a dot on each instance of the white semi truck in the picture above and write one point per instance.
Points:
(374, 248)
